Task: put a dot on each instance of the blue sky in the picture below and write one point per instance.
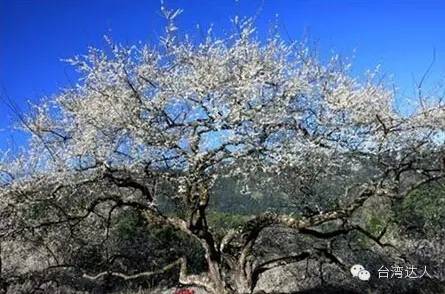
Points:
(36, 34)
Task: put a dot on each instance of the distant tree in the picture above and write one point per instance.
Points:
(185, 113)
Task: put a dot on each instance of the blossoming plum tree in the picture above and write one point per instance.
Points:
(189, 112)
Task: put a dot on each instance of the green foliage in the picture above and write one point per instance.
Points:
(127, 225)
(221, 222)
(224, 221)
(424, 209)
(179, 244)
(163, 244)
(375, 224)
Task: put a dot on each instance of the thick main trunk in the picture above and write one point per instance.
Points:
(215, 276)
(240, 283)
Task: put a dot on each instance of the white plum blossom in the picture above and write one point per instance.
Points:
(189, 113)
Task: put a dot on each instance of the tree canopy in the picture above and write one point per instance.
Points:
(172, 119)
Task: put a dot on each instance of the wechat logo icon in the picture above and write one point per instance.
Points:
(358, 271)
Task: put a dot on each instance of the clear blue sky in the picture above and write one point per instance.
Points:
(36, 34)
